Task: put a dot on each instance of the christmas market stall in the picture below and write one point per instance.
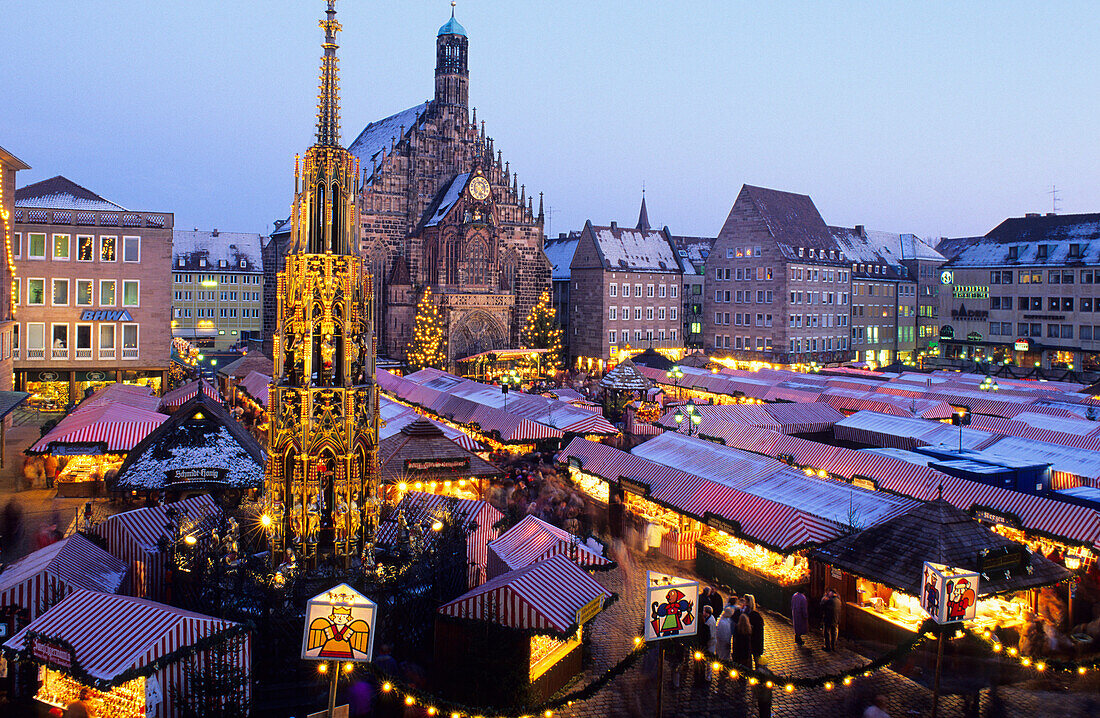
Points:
(877, 574)
(199, 449)
(418, 517)
(41, 579)
(149, 539)
(420, 457)
(743, 519)
(532, 539)
(88, 445)
(517, 639)
(395, 416)
(136, 657)
(622, 385)
(182, 394)
(230, 375)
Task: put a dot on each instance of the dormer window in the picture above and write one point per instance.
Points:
(202, 262)
(1014, 252)
(1074, 250)
(181, 262)
(244, 264)
(1041, 251)
(800, 251)
(223, 264)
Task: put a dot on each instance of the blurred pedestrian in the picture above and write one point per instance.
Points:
(830, 618)
(742, 641)
(800, 616)
(877, 709)
(724, 633)
(717, 603)
(757, 622)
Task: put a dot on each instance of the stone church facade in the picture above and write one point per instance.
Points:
(440, 208)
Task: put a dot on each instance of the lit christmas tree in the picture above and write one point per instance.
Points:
(542, 331)
(428, 345)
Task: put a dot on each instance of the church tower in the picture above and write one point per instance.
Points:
(321, 486)
(452, 69)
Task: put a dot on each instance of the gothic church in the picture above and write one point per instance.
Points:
(440, 208)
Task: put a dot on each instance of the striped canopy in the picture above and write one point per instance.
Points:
(135, 395)
(115, 427)
(51, 573)
(112, 634)
(183, 394)
(532, 539)
(544, 596)
(257, 386)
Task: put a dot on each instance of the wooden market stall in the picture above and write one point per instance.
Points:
(420, 457)
(185, 393)
(877, 573)
(532, 539)
(43, 578)
(516, 639)
(129, 652)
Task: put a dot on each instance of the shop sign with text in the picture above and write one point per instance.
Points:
(106, 315)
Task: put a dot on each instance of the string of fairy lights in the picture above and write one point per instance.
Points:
(928, 631)
(5, 216)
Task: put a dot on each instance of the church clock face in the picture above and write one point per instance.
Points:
(479, 189)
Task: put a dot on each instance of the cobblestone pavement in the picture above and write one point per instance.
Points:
(702, 696)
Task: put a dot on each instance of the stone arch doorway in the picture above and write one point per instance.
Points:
(477, 332)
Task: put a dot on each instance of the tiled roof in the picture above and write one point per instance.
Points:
(1056, 233)
(62, 193)
(560, 252)
(232, 248)
(629, 249)
(792, 219)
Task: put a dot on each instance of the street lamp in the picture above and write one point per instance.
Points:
(507, 380)
(691, 414)
(674, 374)
(989, 384)
(960, 419)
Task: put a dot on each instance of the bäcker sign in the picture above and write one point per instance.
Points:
(106, 315)
(975, 315)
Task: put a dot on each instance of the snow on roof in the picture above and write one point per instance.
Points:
(792, 219)
(376, 136)
(232, 248)
(1069, 459)
(62, 193)
(625, 248)
(560, 253)
(450, 196)
(1055, 233)
(212, 450)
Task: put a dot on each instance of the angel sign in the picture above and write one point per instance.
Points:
(671, 603)
(339, 626)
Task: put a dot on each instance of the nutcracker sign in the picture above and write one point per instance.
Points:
(948, 594)
(339, 626)
(671, 607)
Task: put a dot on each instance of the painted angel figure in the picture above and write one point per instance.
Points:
(338, 636)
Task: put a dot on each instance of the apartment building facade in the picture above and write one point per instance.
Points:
(1026, 293)
(93, 292)
(624, 294)
(9, 165)
(218, 287)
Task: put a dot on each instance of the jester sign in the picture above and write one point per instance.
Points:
(339, 626)
(671, 606)
(948, 594)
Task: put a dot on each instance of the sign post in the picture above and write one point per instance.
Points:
(339, 629)
(948, 595)
(672, 611)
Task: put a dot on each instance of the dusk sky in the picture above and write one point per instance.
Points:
(938, 118)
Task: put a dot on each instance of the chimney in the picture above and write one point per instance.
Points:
(215, 232)
(1031, 215)
(860, 230)
(1051, 214)
(561, 235)
(614, 226)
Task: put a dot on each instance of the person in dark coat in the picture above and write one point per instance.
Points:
(742, 641)
(830, 618)
(716, 603)
(800, 616)
(757, 622)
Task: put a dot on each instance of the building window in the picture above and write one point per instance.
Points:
(661, 314)
(131, 249)
(130, 293)
(672, 290)
(107, 249)
(661, 291)
(129, 341)
(672, 313)
(83, 341)
(85, 251)
(36, 246)
(36, 292)
(36, 340)
(59, 341)
(614, 289)
(611, 337)
(649, 313)
(613, 313)
(17, 245)
(106, 292)
(84, 292)
(649, 290)
(61, 247)
(60, 292)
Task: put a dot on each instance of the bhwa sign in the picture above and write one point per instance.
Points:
(671, 607)
(948, 594)
(106, 315)
(339, 626)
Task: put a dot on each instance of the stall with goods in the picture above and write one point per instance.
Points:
(877, 574)
(516, 639)
(132, 656)
(420, 457)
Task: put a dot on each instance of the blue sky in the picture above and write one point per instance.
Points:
(939, 118)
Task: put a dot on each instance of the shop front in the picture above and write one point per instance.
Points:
(54, 389)
(773, 578)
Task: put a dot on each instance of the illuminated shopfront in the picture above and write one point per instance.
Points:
(58, 690)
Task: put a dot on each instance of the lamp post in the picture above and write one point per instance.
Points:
(674, 374)
(989, 384)
(508, 380)
(960, 419)
(691, 414)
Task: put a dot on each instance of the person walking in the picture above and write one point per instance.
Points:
(725, 634)
(757, 622)
(830, 618)
(711, 641)
(742, 641)
(800, 616)
(80, 708)
(877, 709)
(716, 602)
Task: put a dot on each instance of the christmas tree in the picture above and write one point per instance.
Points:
(427, 348)
(542, 331)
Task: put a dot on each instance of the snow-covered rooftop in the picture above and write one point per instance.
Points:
(62, 193)
(213, 450)
(631, 249)
(560, 253)
(377, 136)
(1056, 234)
(223, 250)
(450, 196)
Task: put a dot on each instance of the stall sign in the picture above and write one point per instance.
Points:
(77, 449)
(1022, 345)
(588, 611)
(947, 332)
(455, 464)
(1010, 560)
(717, 522)
(196, 474)
(995, 517)
(52, 653)
(672, 607)
(154, 694)
(634, 487)
(948, 594)
(106, 315)
(339, 626)
(864, 483)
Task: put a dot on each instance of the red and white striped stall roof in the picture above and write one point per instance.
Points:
(112, 634)
(532, 539)
(419, 506)
(118, 427)
(134, 395)
(397, 416)
(543, 596)
(257, 386)
(183, 394)
(594, 424)
(51, 573)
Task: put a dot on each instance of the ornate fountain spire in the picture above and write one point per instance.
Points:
(328, 99)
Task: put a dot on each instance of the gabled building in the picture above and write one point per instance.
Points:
(218, 287)
(624, 293)
(9, 165)
(559, 252)
(440, 208)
